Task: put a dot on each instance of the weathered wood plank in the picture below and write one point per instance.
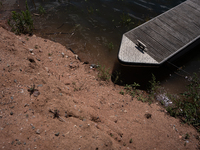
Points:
(157, 37)
(193, 5)
(196, 2)
(188, 18)
(167, 36)
(179, 27)
(184, 22)
(179, 35)
(191, 13)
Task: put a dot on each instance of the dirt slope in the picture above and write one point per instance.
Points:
(92, 113)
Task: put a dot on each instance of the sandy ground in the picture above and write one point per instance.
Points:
(70, 108)
(91, 113)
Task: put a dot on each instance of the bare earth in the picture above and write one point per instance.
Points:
(70, 108)
(92, 113)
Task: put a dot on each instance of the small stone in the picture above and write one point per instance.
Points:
(36, 93)
(125, 111)
(47, 69)
(30, 50)
(15, 81)
(11, 113)
(57, 134)
(37, 132)
(24, 143)
(66, 115)
(1, 116)
(38, 59)
(40, 85)
(11, 98)
(33, 127)
(26, 105)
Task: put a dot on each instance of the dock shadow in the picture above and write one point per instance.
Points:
(123, 75)
(128, 74)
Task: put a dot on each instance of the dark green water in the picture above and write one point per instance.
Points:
(93, 29)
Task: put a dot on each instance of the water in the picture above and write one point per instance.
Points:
(93, 29)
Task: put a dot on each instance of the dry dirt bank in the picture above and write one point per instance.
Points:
(92, 113)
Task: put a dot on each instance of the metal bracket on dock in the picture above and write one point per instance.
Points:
(141, 45)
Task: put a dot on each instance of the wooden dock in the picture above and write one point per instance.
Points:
(164, 37)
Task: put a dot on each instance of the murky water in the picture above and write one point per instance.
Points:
(93, 29)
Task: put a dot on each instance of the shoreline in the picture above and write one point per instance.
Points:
(70, 107)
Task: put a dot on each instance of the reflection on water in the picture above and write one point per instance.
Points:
(93, 29)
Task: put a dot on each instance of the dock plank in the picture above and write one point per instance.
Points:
(176, 25)
(191, 13)
(189, 27)
(193, 5)
(167, 36)
(197, 2)
(158, 38)
(179, 35)
(187, 18)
